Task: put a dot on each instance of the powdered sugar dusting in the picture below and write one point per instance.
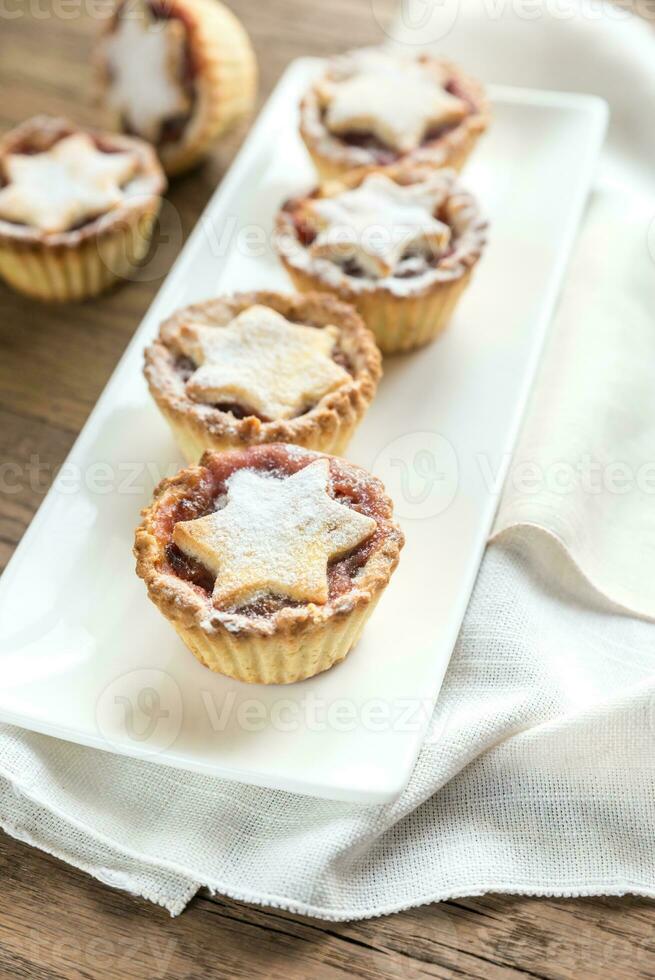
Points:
(380, 223)
(262, 361)
(274, 536)
(145, 57)
(423, 260)
(71, 182)
(396, 99)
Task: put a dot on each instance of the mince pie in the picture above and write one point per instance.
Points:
(77, 208)
(179, 73)
(400, 244)
(260, 368)
(268, 560)
(374, 107)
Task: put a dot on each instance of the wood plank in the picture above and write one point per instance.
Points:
(105, 934)
(30, 454)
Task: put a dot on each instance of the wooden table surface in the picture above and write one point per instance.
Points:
(54, 362)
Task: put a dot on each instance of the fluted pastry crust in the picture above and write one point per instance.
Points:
(76, 264)
(403, 313)
(297, 640)
(327, 427)
(333, 157)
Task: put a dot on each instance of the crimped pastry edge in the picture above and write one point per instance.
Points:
(45, 131)
(189, 610)
(327, 426)
(333, 157)
(75, 265)
(472, 242)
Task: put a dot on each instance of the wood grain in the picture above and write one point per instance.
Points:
(56, 922)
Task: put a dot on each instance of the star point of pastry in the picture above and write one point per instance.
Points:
(71, 182)
(263, 362)
(378, 222)
(274, 536)
(397, 102)
(145, 57)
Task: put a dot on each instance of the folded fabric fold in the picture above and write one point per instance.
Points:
(536, 777)
(584, 468)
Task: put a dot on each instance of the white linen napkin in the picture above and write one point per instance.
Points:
(584, 470)
(537, 773)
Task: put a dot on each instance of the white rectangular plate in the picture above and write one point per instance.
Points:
(84, 656)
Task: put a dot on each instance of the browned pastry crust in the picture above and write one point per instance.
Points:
(403, 314)
(327, 426)
(82, 262)
(223, 77)
(294, 641)
(333, 157)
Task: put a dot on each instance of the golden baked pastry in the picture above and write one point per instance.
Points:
(263, 367)
(178, 74)
(269, 560)
(373, 107)
(399, 244)
(77, 208)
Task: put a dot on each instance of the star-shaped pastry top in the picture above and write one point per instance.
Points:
(399, 101)
(70, 183)
(145, 57)
(380, 222)
(263, 362)
(274, 536)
